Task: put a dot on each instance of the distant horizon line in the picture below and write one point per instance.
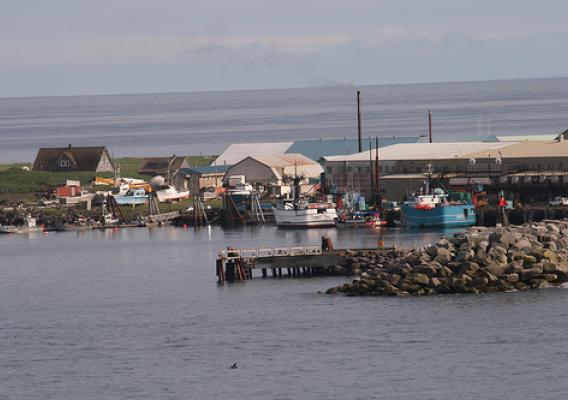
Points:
(287, 88)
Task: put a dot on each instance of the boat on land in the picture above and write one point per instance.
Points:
(30, 226)
(132, 197)
(437, 210)
(169, 193)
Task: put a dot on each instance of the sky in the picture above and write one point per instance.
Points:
(69, 47)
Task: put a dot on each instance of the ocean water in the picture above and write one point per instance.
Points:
(137, 314)
(206, 123)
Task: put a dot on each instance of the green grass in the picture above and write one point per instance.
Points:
(15, 181)
(4, 167)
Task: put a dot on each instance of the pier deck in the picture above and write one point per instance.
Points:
(239, 264)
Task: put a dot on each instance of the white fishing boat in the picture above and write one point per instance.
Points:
(298, 213)
(304, 215)
(30, 226)
(169, 193)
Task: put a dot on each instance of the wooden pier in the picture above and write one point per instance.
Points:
(238, 264)
(299, 261)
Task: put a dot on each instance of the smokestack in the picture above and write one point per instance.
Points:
(430, 125)
(359, 121)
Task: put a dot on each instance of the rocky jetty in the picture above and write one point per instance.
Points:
(477, 260)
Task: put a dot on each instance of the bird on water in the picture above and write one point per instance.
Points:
(234, 366)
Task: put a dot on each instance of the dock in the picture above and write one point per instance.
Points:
(299, 261)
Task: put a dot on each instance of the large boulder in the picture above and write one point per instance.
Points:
(445, 272)
(511, 277)
(483, 273)
(432, 250)
(420, 279)
(522, 244)
(529, 274)
(444, 256)
(468, 268)
(435, 282)
(427, 269)
(497, 269)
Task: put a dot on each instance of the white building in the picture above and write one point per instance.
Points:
(239, 151)
(275, 169)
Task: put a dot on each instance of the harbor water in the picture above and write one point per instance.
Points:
(137, 313)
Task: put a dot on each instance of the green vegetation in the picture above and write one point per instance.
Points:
(4, 167)
(16, 183)
(198, 161)
(16, 180)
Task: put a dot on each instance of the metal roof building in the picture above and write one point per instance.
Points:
(529, 149)
(239, 151)
(274, 168)
(527, 138)
(422, 151)
(316, 149)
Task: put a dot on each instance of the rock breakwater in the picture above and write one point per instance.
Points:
(477, 260)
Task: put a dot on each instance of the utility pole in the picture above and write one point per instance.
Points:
(377, 172)
(430, 126)
(359, 120)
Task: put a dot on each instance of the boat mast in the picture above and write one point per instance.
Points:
(429, 178)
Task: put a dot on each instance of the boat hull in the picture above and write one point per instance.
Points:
(305, 218)
(73, 228)
(131, 200)
(164, 197)
(461, 215)
(20, 230)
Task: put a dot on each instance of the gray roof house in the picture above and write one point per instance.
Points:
(61, 159)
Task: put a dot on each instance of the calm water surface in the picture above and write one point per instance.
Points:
(193, 123)
(137, 314)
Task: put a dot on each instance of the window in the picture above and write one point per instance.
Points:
(64, 163)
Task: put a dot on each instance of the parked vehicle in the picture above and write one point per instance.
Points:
(559, 201)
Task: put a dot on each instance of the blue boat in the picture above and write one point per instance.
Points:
(437, 210)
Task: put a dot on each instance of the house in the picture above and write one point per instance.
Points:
(164, 166)
(275, 169)
(62, 159)
(198, 179)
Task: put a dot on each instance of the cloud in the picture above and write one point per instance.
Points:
(391, 54)
(124, 49)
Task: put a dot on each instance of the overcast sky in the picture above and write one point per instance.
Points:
(60, 47)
